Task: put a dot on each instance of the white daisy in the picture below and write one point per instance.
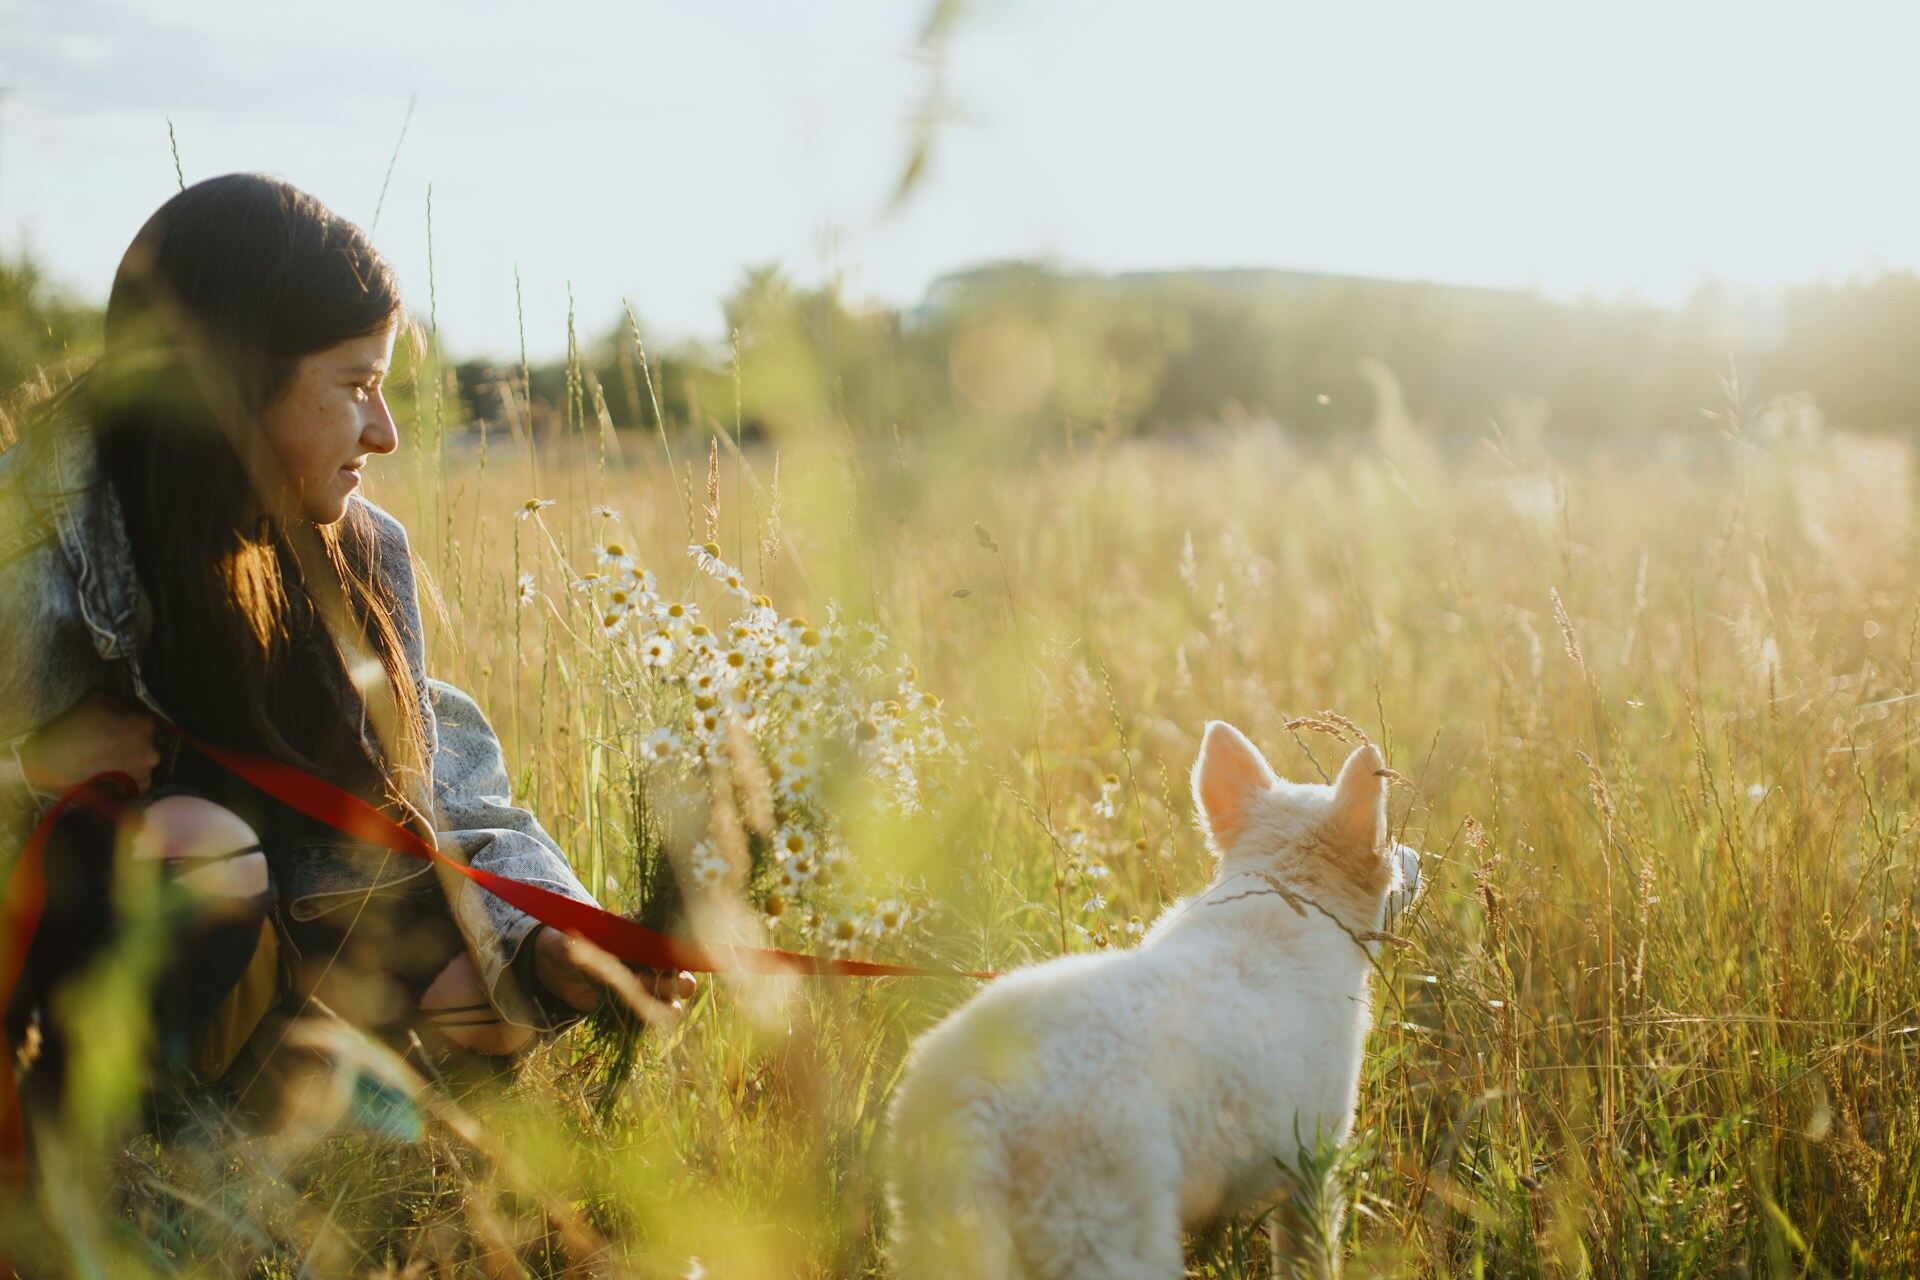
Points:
(739, 701)
(619, 599)
(794, 788)
(708, 558)
(613, 555)
(676, 616)
(794, 842)
(833, 861)
(660, 746)
(890, 916)
(657, 650)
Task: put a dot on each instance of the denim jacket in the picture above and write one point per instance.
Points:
(72, 614)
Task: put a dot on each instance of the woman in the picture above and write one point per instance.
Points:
(181, 537)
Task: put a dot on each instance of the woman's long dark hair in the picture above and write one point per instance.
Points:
(220, 294)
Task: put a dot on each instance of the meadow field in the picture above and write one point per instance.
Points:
(1653, 709)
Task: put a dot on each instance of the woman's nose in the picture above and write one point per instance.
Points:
(379, 434)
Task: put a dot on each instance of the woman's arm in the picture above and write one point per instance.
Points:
(19, 803)
(473, 812)
(98, 734)
(473, 809)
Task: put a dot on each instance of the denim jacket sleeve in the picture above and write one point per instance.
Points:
(51, 647)
(472, 809)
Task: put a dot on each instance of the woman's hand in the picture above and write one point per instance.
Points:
(557, 964)
(100, 734)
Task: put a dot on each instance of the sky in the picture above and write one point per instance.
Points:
(649, 153)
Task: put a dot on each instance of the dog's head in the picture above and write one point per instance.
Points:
(1329, 844)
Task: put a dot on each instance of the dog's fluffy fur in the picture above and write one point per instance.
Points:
(1074, 1118)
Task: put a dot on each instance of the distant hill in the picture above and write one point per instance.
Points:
(1296, 346)
(956, 287)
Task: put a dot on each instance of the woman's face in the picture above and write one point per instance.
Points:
(322, 429)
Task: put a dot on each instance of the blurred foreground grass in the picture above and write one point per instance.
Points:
(1656, 712)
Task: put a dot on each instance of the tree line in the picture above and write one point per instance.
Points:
(1027, 347)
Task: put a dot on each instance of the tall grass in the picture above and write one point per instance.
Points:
(1659, 1009)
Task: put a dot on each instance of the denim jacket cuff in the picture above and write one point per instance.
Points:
(13, 773)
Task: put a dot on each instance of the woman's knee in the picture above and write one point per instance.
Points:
(207, 847)
(185, 826)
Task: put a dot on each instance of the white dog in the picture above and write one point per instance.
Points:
(1073, 1119)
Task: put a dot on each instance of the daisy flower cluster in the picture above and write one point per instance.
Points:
(1086, 880)
(814, 701)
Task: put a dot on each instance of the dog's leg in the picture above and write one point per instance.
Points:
(1112, 1213)
(950, 1211)
(1137, 1243)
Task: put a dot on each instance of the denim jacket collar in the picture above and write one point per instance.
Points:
(55, 488)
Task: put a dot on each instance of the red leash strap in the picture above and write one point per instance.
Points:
(26, 894)
(623, 938)
(20, 911)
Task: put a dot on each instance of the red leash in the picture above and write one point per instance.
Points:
(347, 813)
(623, 938)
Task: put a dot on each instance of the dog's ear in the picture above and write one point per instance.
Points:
(1227, 776)
(1359, 815)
